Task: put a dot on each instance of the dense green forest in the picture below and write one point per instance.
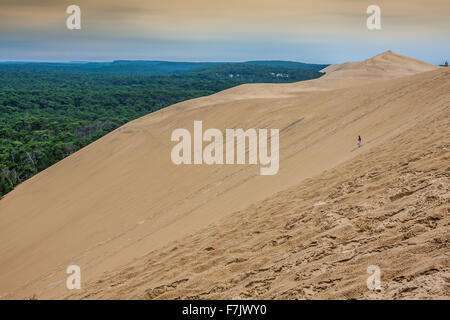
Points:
(50, 110)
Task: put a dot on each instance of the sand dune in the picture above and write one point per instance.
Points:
(386, 65)
(315, 240)
(141, 227)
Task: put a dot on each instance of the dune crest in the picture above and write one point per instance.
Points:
(121, 197)
(386, 65)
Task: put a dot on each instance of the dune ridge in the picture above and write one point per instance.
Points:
(120, 198)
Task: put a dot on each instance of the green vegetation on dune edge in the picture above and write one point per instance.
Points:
(48, 111)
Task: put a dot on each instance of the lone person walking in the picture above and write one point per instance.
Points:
(359, 141)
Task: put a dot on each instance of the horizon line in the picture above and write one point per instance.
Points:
(145, 60)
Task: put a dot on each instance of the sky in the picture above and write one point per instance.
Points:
(314, 31)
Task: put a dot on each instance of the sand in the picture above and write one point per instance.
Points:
(141, 227)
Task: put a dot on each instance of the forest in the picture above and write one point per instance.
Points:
(50, 110)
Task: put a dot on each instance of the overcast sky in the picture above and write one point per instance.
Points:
(317, 31)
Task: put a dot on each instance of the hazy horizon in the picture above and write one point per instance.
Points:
(145, 60)
(330, 31)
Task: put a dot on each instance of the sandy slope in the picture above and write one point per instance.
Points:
(121, 197)
(316, 239)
